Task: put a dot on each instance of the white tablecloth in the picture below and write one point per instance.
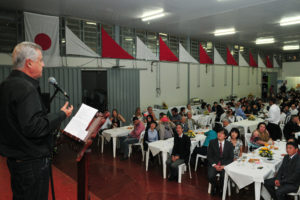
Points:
(203, 119)
(246, 124)
(245, 173)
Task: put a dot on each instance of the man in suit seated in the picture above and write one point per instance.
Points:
(288, 177)
(180, 152)
(219, 154)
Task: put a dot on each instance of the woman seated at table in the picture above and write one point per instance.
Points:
(208, 108)
(165, 128)
(230, 116)
(116, 119)
(234, 138)
(260, 137)
(248, 110)
(138, 114)
(151, 135)
(210, 135)
(149, 120)
(202, 108)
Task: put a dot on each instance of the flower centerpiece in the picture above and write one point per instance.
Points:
(206, 112)
(164, 105)
(190, 133)
(265, 152)
(251, 117)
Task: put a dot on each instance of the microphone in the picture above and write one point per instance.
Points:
(53, 82)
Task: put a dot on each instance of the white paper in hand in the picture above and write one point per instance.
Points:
(79, 123)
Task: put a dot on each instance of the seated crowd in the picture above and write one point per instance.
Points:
(224, 143)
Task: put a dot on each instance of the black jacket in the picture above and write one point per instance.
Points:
(289, 171)
(213, 153)
(25, 126)
(289, 128)
(182, 147)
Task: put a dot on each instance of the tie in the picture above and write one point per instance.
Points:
(221, 152)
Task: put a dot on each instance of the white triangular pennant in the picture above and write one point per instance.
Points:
(184, 56)
(242, 61)
(143, 52)
(275, 63)
(218, 58)
(260, 62)
(74, 46)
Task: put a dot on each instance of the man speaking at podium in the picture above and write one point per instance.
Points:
(25, 126)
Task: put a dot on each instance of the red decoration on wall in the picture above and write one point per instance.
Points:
(252, 62)
(268, 63)
(203, 57)
(111, 49)
(230, 59)
(165, 54)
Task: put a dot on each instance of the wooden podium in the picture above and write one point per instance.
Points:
(82, 158)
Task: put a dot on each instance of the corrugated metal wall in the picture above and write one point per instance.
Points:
(67, 77)
(123, 88)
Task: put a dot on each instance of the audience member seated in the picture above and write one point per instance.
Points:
(210, 135)
(175, 118)
(291, 127)
(180, 153)
(138, 114)
(184, 124)
(226, 125)
(294, 110)
(219, 154)
(260, 137)
(214, 107)
(234, 138)
(161, 115)
(248, 110)
(230, 116)
(222, 103)
(239, 110)
(255, 109)
(286, 110)
(165, 128)
(202, 108)
(132, 138)
(182, 112)
(208, 108)
(150, 112)
(149, 120)
(219, 112)
(191, 123)
(287, 179)
(151, 135)
(116, 119)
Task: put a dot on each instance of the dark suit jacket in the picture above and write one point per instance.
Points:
(213, 153)
(289, 128)
(181, 147)
(289, 171)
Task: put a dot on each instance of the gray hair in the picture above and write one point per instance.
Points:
(24, 50)
(225, 120)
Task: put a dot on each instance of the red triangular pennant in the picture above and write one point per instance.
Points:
(230, 59)
(268, 63)
(165, 54)
(203, 57)
(111, 49)
(252, 62)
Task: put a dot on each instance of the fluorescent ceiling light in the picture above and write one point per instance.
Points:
(290, 47)
(164, 34)
(153, 17)
(153, 12)
(291, 41)
(128, 39)
(264, 40)
(290, 21)
(224, 32)
(91, 23)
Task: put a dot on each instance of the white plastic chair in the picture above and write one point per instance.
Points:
(247, 140)
(228, 186)
(101, 137)
(203, 157)
(139, 143)
(239, 118)
(295, 194)
(182, 169)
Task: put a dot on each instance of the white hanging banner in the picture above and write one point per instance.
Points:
(260, 62)
(242, 61)
(74, 46)
(218, 58)
(275, 63)
(143, 52)
(44, 31)
(184, 56)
